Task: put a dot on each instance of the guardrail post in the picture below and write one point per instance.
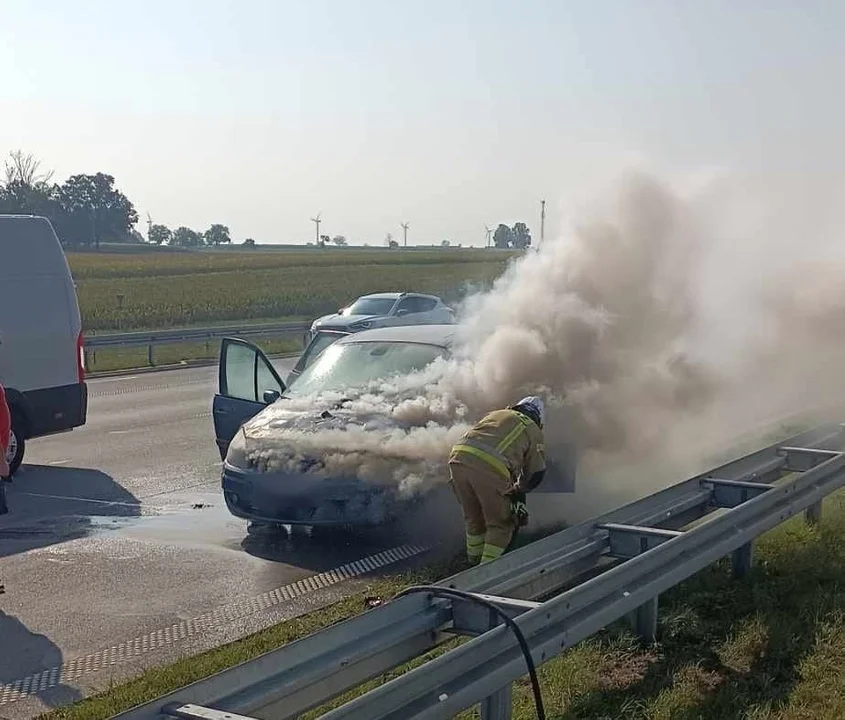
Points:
(813, 514)
(643, 620)
(742, 559)
(150, 358)
(499, 705)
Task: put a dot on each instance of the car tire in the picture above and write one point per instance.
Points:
(17, 446)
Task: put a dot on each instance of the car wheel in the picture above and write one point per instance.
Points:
(17, 445)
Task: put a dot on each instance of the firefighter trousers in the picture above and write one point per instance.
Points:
(488, 514)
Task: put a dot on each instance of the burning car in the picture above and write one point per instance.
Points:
(274, 469)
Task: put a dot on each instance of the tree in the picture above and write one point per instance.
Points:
(445, 243)
(185, 237)
(159, 234)
(503, 237)
(92, 209)
(24, 189)
(249, 242)
(521, 236)
(24, 169)
(217, 235)
(339, 240)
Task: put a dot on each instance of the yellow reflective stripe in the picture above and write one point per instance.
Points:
(475, 546)
(491, 460)
(491, 552)
(512, 436)
(475, 540)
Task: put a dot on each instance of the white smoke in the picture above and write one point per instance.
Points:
(660, 321)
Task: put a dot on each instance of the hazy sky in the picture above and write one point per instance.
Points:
(447, 114)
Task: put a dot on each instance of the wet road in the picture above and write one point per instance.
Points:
(119, 553)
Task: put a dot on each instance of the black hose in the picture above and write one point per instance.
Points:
(520, 638)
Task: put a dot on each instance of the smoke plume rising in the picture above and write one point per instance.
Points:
(655, 328)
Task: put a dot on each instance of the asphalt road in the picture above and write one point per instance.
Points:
(118, 551)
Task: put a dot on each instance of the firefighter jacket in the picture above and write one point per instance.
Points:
(508, 442)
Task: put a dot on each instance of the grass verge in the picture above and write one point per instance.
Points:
(769, 647)
(109, 360)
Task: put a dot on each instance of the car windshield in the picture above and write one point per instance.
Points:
(319, 343)
(370, 306)
(354, 365)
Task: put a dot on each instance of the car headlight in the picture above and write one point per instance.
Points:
(236, 454)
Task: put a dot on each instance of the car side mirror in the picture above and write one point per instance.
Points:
(270, 396)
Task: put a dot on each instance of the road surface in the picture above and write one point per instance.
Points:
(118, 551)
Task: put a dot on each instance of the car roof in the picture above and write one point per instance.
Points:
(441, 335)
(397, 295)
(382, 296)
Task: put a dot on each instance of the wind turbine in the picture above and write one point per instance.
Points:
(542, 222)
(316, 221)
(405, 227)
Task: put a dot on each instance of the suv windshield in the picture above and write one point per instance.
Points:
(370, 306)
(354, 365)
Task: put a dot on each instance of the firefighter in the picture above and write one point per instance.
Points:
(493, 466)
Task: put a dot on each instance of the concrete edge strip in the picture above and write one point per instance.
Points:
(108, 657)
(138, 387)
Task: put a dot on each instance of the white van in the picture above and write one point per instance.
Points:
(41, 343)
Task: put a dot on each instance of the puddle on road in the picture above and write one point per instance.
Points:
(205, 522)
(197, 521)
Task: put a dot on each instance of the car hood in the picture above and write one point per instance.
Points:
(350, 440)
(277, 419)
(338, 320)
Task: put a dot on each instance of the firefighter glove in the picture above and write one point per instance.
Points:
(520, 511)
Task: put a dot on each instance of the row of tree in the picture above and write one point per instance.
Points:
(518, 237)
(186, 237)
(87, 209)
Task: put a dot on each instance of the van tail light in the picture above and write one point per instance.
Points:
(80, 357)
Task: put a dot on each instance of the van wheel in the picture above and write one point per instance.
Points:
(17, 445)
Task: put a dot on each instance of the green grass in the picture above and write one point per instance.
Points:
(158, 290)
(769, 647)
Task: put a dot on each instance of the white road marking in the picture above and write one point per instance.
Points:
(81, 499)
(98, 381)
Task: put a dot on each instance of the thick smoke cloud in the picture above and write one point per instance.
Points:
(656, 327)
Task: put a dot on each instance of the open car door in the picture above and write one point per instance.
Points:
(247, 383)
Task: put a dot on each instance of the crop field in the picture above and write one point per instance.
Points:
(152, 290)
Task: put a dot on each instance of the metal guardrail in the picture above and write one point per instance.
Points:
(630, 556)
(154, 338)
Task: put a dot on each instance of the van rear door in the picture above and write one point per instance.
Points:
(40, 326)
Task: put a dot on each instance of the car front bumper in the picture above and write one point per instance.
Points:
(301, 499)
